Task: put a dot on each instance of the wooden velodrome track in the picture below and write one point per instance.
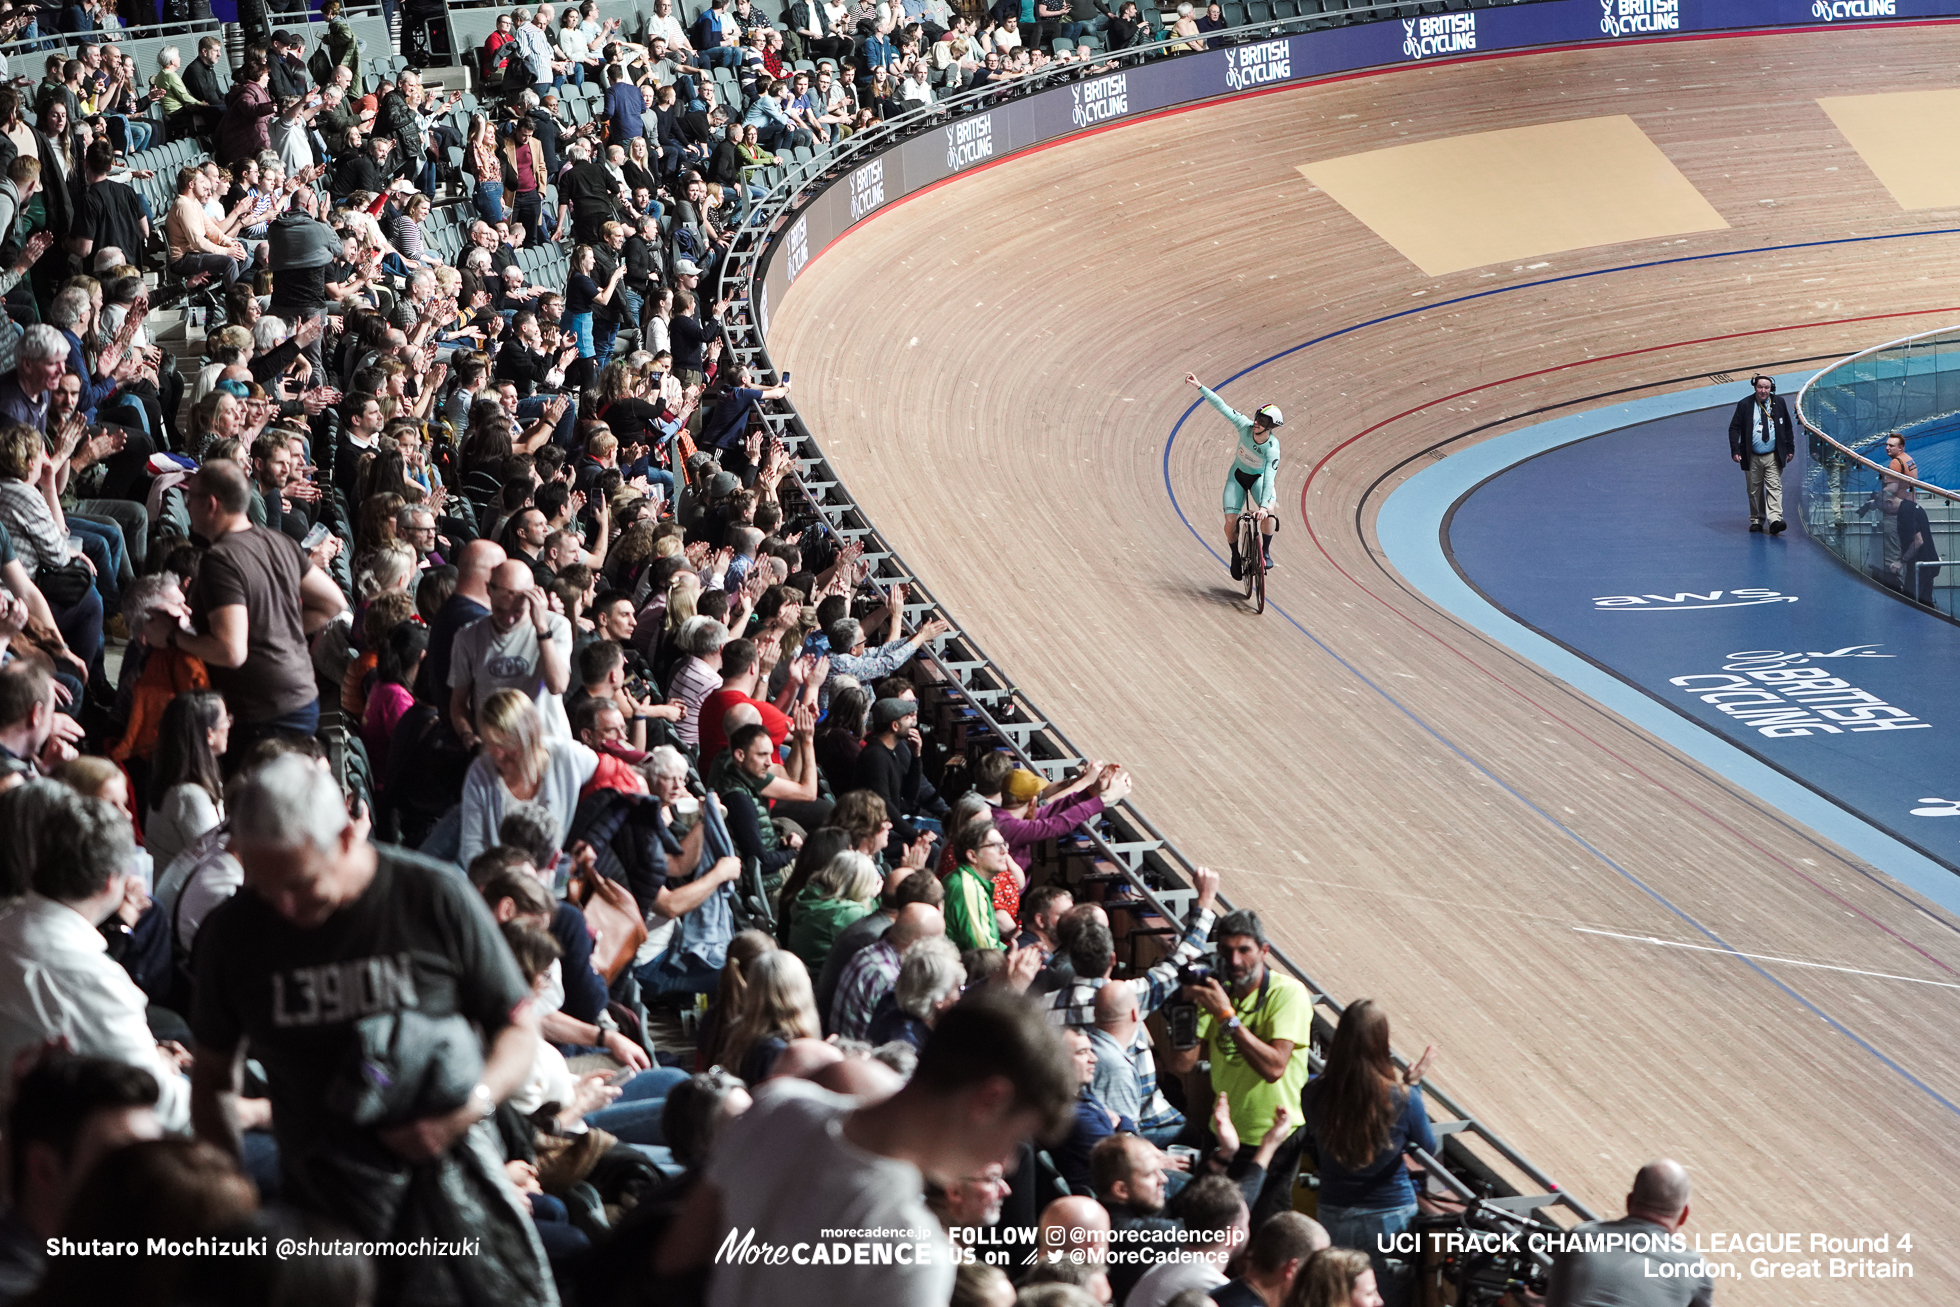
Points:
(1001, 362)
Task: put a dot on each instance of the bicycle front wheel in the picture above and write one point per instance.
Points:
(1248, 553)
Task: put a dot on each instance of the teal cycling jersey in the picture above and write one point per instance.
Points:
(1255, 458)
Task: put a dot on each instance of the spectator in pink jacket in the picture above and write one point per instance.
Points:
(1026, 810)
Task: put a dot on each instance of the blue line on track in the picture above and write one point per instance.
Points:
(1659, 898)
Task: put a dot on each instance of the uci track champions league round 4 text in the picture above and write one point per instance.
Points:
(1717, 1255)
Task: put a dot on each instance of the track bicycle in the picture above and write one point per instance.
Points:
(1252, 552)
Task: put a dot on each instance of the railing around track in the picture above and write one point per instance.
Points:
(1476, 1163)
(1910, 388)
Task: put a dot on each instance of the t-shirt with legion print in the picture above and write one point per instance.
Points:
(417, 939)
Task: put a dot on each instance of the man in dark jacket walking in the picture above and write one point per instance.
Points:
(1763, 441)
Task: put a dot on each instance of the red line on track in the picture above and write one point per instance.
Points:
(1539, 707)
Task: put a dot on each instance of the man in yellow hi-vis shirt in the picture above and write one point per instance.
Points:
(1255, 1028)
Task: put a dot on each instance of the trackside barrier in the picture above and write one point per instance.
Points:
(1910, 388)
(816, 202)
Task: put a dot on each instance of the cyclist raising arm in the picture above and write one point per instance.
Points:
(1252, 471)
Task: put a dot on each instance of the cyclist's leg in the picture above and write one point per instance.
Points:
(1268, 524)
(1234, 505)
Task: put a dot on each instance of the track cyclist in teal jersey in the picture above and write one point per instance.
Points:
(1253, 469)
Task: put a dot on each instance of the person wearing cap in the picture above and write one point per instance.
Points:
(851, 656)
(726, 509)
(1028, 810)
(285, 74)
(892, 766)
(1254, 468)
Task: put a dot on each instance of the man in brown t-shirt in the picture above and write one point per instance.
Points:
(254, 602)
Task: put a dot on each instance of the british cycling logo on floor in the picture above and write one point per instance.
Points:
(1832, 10)
(1755, 660)
(1435, 34)
(1256, 65)
(1762, 690)
(1102, 99)
(970, 141)
(1632, 17)
(1687, 601)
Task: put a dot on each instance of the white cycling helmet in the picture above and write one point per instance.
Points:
(1270, 415)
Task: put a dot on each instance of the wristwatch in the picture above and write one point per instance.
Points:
(1234, 1023)
(483, 1101)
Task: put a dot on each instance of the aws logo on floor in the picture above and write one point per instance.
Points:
(1688, 601)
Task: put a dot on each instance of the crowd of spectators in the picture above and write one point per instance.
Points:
(455, 788)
